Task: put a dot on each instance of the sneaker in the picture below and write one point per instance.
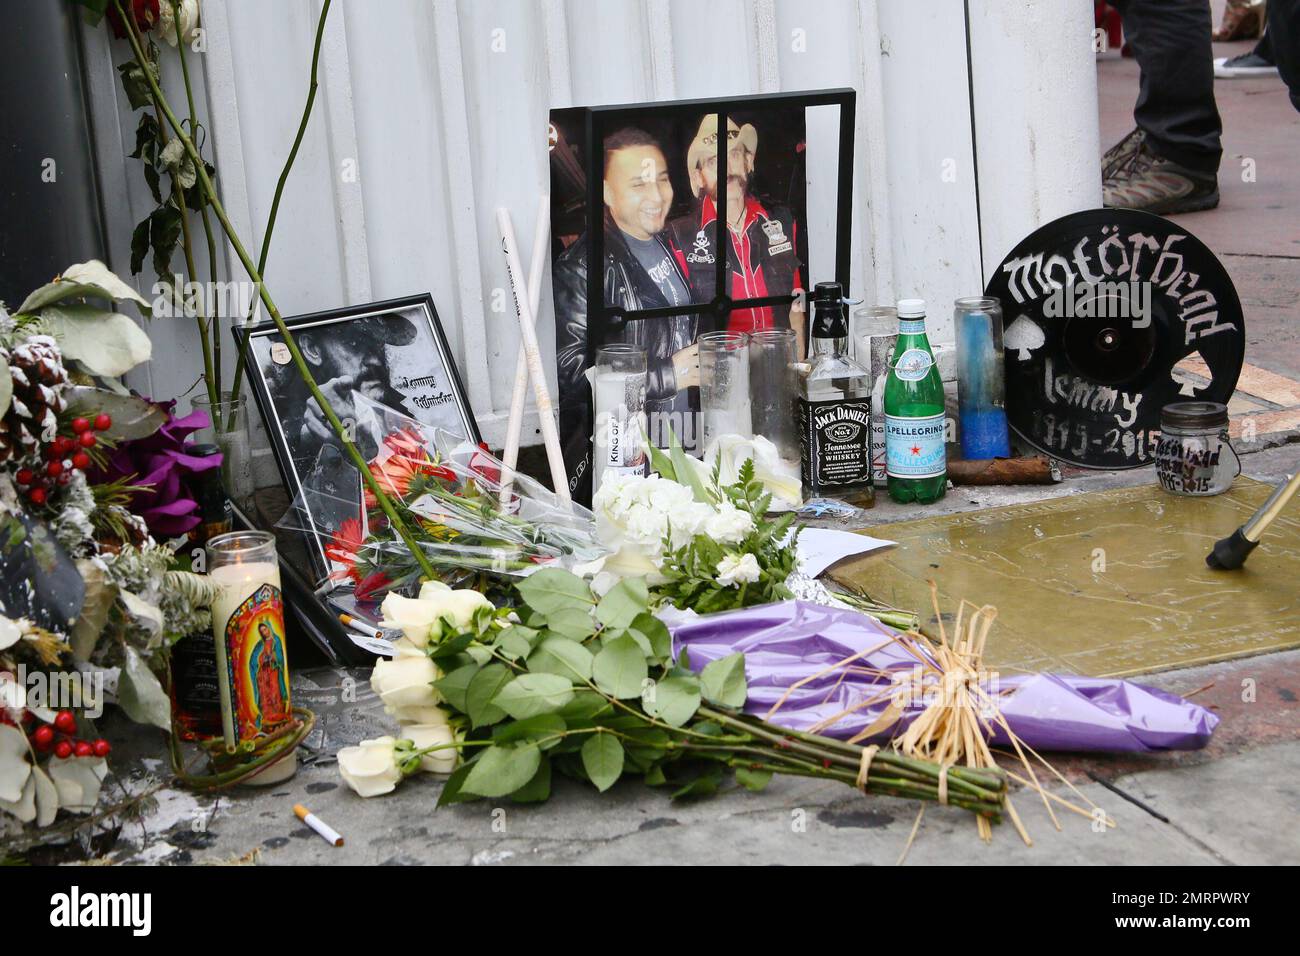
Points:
(1247, 64)
(1157, 185)
(1119, 154)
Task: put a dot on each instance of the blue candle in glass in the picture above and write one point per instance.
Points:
(981, 388)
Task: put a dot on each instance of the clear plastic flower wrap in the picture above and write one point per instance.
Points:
(474, 519)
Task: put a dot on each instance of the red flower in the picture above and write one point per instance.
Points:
(399, 462)
(144, 12)
(371, 585)
(343, 547)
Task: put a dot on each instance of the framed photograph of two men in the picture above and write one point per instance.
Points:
(641, 255)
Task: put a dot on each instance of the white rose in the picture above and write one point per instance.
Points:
(406, 681)
(371, 767)
(736, 569)
(419, 715)
(460, 606)
(432, 735)
(189, 10)
(728, 525)
(414, 617)
(430, 590)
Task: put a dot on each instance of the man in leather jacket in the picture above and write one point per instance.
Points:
(642, 270)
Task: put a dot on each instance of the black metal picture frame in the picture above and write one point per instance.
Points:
(409, 322)
(577, 143)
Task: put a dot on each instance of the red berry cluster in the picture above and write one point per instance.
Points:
(44, 739)
(62, 456)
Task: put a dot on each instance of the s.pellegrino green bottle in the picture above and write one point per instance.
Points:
(833, 408)
(916, 461)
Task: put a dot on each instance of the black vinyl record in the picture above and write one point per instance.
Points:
(1109, 315)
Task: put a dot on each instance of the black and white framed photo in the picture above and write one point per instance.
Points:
(392, 352)
(673, 220)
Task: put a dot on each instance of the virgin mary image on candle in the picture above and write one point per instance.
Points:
(269, 676)
(257, 668)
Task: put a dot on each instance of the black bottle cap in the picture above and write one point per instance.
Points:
(829, 320)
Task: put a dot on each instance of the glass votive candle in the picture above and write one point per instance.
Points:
(773, 384)
(248, 626)
(618, 389)
(724, 386)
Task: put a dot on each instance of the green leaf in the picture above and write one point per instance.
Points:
(620, 669)
(537, 790)
(136, 86)
(512, 645)
(585, 706)
(164, 234)
(674, 701)
(602, 758)
(559, 655)
(106, 343)
(552, 589)
(686, 472)
(452, 647)
(531, 694)
(140, 694)
(723, 681)
(6, 390)
(657, 633)
(90, 279)
(452, 791)
(751, 779)
(454, 687)
(531, 729)
(574, 622)
(654, 777)
(702, 786)
(487, 683)
(623, 602)
(502, 770)
(139, 245)
(662, 464)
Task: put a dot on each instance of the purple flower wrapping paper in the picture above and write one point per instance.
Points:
(786, 642)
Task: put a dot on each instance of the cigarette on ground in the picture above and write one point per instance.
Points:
(331, 835)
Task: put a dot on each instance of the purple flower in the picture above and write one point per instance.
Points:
(162, 465)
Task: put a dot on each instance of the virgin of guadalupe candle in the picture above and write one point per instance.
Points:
(248, 626)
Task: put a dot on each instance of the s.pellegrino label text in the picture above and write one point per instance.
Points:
(914, 447)
(834, 442)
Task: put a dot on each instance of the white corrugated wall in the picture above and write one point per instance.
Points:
(431, 113)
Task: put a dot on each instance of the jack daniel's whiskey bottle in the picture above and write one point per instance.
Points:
(834, 409)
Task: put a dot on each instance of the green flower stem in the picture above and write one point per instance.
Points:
(199, 319)
(215, 323)
(284, 176)
(253, 273)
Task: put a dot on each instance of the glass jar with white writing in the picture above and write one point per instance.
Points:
(1194, 456)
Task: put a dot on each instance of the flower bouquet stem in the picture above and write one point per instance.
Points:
(255, 275)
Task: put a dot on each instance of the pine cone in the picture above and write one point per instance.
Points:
(39, 379)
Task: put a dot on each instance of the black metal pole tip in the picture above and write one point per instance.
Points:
(1231, 552)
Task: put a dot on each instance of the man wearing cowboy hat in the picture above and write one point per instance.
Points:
(762, 253)
(344, 357)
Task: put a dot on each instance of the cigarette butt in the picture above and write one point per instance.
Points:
(316, 823)
(361, 626)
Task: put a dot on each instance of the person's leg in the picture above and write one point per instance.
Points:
(1284, 28)
(1175, 106)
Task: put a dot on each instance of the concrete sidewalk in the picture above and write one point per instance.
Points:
(1232, 803)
